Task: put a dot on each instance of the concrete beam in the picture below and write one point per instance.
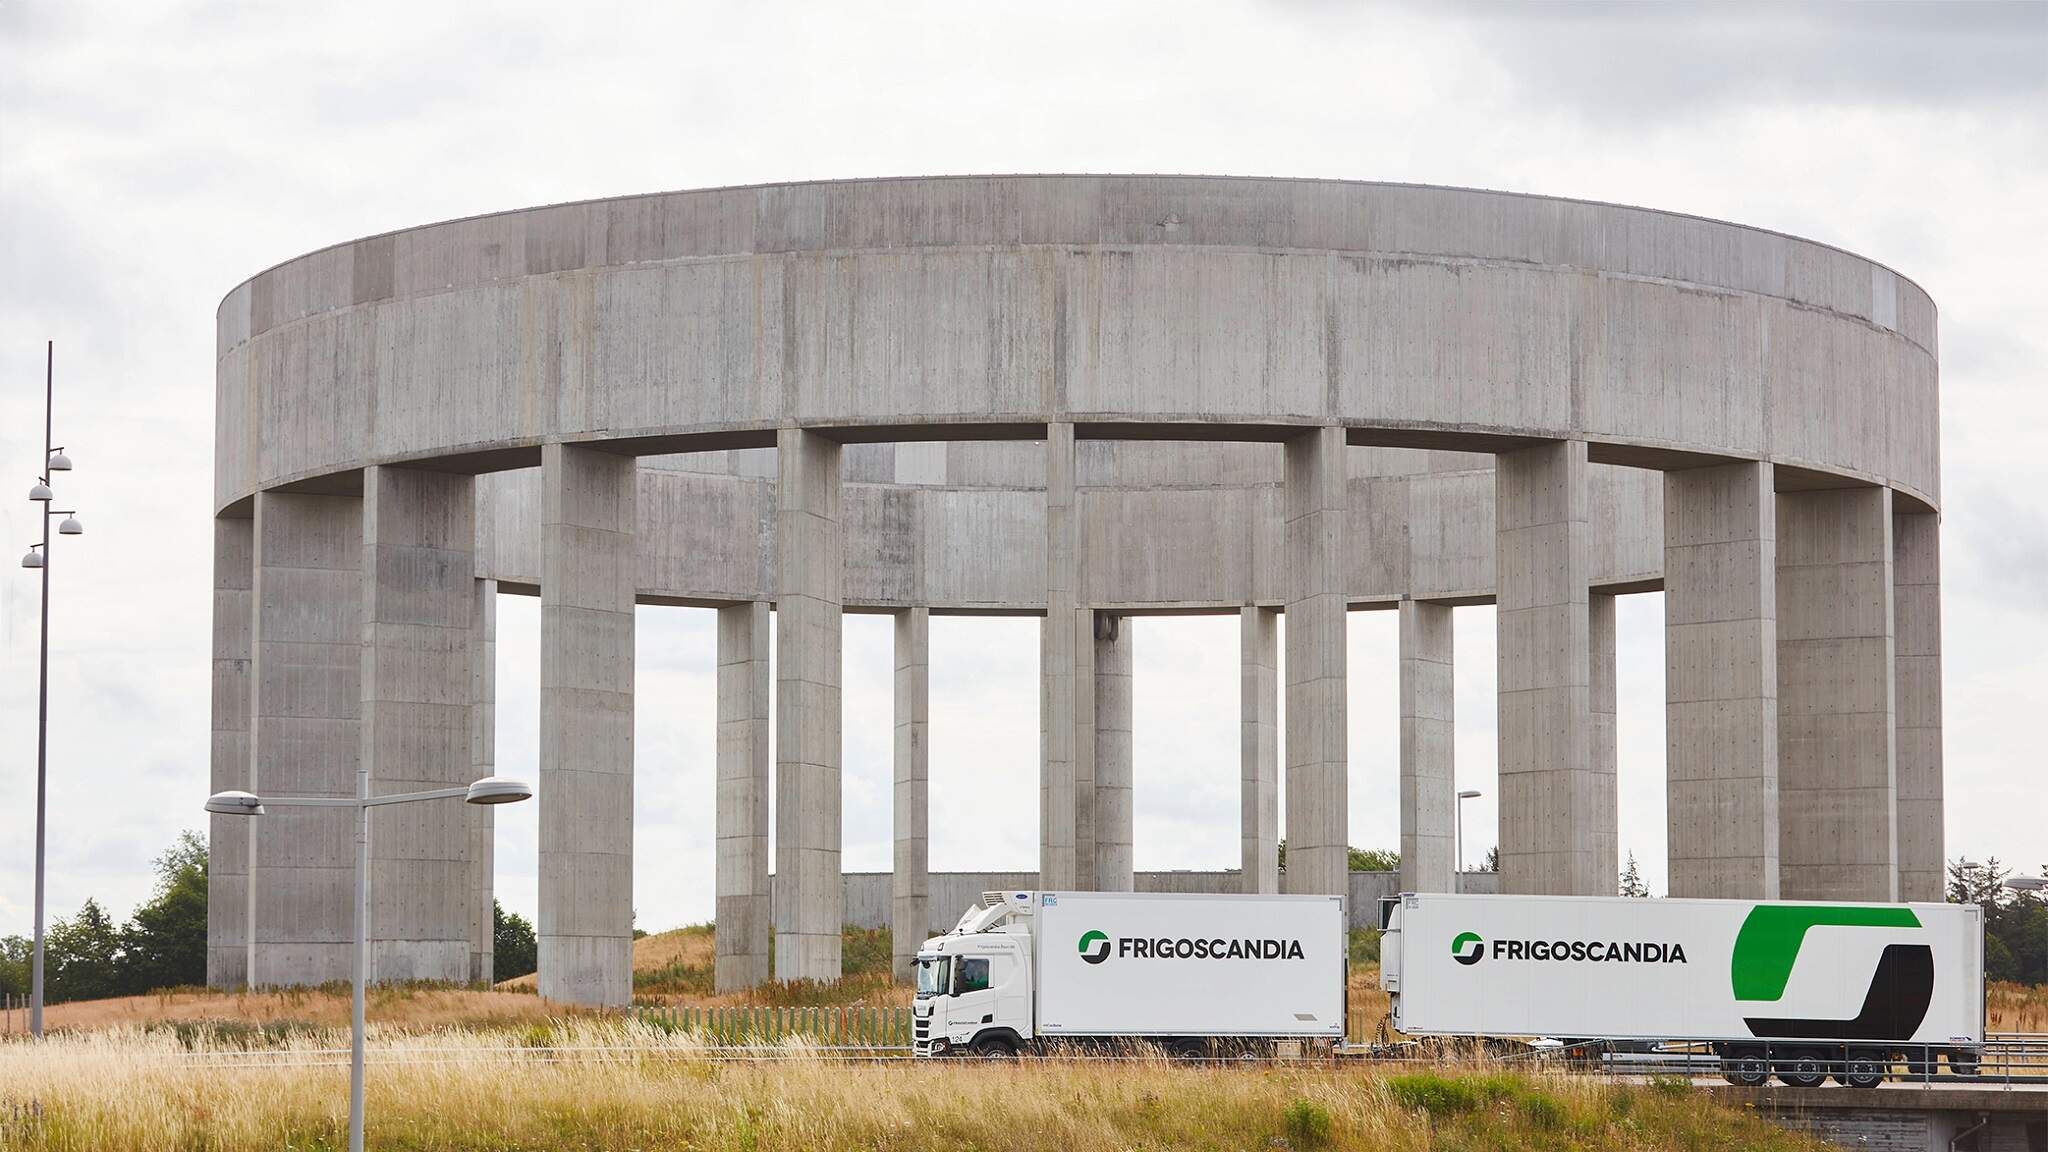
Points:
(1721, 681)
(483, 761)
(1549, 803)
(1837, 826)
(228, 837)
(419, 541)
(1058, 718)
(307, 635)
(810, 537)
(1916, 606)
(1428, 762)
(1317, 813)
(743, 909)
(1114, 799)
(588, 521)
(1259, 748)
(910, 880)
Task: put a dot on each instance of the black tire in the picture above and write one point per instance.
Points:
(1745, 1067)
(1803, 1068)
(1864, 1068)
(1188, 1049)
(1920, 1063)
(995, 1048)
(1964, 1064)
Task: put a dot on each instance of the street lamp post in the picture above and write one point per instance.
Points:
(489, 790)
(39, 557)
(1458, 848)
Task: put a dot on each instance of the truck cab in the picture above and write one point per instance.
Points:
(974, 983)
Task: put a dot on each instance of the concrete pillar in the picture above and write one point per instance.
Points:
(307, 636)
(1114, 804)
(1428, 781)
(1916, 603)
(1317, 817)
(1721, 681)
(910, 881)
(228, 837)
(1549, 794)
(742, 818)
(586, 725)
(1259, 747)
(1604, 749)
(1837, 832)
(483, 761)
(810, 537)
(419, 585)
(1058, 651)
(1087, 744)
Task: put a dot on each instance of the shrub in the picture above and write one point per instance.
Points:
(1308, 1124)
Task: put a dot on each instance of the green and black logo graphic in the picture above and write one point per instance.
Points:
(1768, 945)
(1468, 948)
(1094, 946)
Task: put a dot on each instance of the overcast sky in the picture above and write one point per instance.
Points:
(153, 155)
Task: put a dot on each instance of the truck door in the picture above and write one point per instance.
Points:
(974, 996)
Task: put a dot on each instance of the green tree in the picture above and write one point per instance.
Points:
(514, 952)
(1492, 862)
(1632, 880)
(164, 944)
(1374, 860)
(15, 952)
(82, 957)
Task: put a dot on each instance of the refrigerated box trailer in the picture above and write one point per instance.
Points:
(1793, 988)
(1191, 973)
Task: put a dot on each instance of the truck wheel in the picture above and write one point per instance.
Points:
(1805, 1068)
(1746, 1068)
(1863, 1069)
(995, 1048)
(1962, 1063)
(1919, 1063)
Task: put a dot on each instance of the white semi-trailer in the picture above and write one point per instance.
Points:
(1207, 974)
(1796, 989)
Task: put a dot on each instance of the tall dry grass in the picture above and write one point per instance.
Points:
(590, 1083)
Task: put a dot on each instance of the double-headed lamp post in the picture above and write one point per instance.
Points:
(38, 557)
(489, 790)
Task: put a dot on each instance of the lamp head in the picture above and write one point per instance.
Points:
(33, 559)
(1469, 794)
(71, 527)
(234, 803)
(59, 462)
(498, 790)
(41, 493)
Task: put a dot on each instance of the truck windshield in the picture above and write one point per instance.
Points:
(933, 974)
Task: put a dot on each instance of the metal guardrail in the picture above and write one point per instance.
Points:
(886, 1027)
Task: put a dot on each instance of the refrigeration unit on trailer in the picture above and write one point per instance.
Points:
(1799, 989)
(1192, 973)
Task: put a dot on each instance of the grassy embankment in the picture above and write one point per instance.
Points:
(446, 1089)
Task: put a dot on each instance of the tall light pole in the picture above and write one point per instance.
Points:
(1459, 848)
(39, 556)
(489, 790)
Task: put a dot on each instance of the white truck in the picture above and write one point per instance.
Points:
(1797, 989)
(1193, 974)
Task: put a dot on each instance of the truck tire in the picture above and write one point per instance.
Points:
(1745, 1066)
(994, 1048)
(1803, 1068)
(1863, 1068)
(1964, 1063)
(1920, 1063)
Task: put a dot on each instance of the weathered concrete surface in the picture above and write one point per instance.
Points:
(228, 837)
(1603, 746)
(483, 761)
(1317, 761)
(1428, 757)
(1721, 681)
(305, 732)
(1549, 791)
(1837, 827)
(1916, 606)
(586, 726)
(419, 537)
(743, 910)
(1061, 711)
(1114, 791)
(910, 896)
(810, 541)
(1259, 748)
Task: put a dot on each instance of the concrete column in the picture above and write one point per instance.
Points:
(1916, 603)
(1087, 746)
(910, 881)
(228, 837)
(743, 716)
(1428, 780)
(1317, 816)
(419, 585)
(586, 725)
(1114, 801)
(1721, 681)
(1837, 832)
(1057, 654)
(1549, 793)
(1603, 748)
(483, 761)
(808, 896)
(307, 636)
(1259, 747)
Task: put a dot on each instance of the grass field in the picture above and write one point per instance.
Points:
(528, 1088)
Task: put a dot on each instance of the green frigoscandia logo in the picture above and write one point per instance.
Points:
(1094, 946)
(1468, 948)
(1769, 944)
